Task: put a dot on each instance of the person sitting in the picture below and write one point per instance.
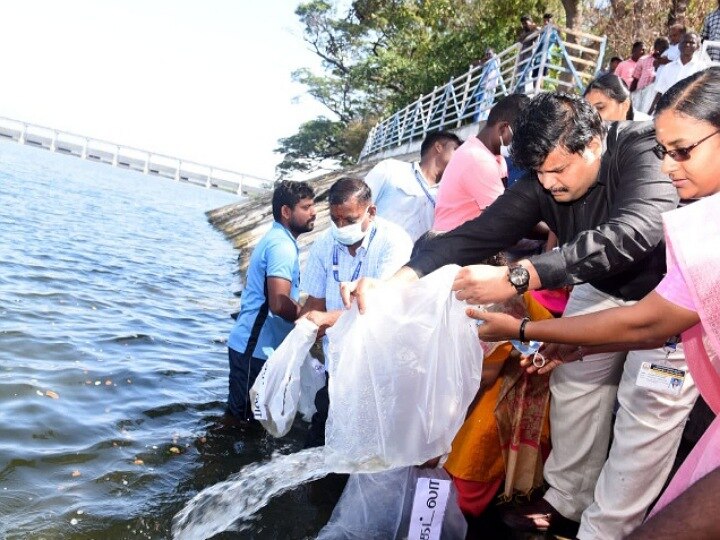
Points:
(405, 193)
(358, 244)
(269, 300)
(611, 99)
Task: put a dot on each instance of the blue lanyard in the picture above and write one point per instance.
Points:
(335, 259)
(421, 181)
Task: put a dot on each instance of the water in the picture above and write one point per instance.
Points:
(115, 296)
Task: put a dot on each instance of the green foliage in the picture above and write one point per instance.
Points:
(380, 55)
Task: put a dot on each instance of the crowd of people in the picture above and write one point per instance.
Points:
(600, 249)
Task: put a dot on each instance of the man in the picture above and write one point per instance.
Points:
(643, 87)
(688, 64)
(612, 66)
(711, 32)
(474, 178)
(359, 244)
(602, 194)
(675, 34)
(269, 300)
(405, 193)
(626, 68)
(548, 19)
(527, 36)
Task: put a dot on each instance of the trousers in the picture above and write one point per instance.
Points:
(610, 493)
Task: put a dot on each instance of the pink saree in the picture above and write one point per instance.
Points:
(693, 243)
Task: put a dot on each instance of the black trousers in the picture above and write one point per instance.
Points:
(316, 433)
(243, 372)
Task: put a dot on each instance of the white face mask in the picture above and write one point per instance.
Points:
(505, 150)
(349, 234)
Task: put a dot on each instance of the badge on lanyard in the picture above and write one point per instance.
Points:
(664, 379)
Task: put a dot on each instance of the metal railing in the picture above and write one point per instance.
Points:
(128, 157)
(549, 59)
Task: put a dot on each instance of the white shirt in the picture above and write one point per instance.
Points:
(399, 196)
(379, 256)
(677, 71)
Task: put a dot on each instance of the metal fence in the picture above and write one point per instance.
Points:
(552, 58)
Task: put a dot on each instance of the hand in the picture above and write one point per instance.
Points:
(359, 290)
(555, 355)
(482, 284)
(320, 318)
(496, 326)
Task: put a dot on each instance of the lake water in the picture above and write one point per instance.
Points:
(115, 295)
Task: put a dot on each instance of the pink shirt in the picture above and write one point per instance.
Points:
(644, 71)
(471, 182)
(673, 287)
(625, 70)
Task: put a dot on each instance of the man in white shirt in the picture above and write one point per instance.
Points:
(405, 193)
(359, 244)
(688, 64)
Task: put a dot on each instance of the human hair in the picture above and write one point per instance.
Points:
(435, 136)
(525, 18)
(612, 87)
(548, 16)
(637, 44)
(677, 26)
(697, 96)
(661, 44)
(507, 109)
(348, 187)
(616, 59)
(289, 193)
(552, 120)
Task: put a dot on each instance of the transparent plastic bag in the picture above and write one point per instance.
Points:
(381, 505)
(402, 375)
(276, 392)
(312, 379)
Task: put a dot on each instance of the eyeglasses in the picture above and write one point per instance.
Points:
(680, 154)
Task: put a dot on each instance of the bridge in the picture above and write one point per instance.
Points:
(552, 58)
(135, 159)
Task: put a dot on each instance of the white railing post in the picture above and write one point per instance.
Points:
(463, 103)
(208, 181)
(239, 188)
(177, 171)
(84, 153)
(53, 141)
(23, 134)
(116, 156)
(146, 168)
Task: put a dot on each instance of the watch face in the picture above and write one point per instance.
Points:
(519, 276)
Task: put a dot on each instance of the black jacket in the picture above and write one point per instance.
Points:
(612, 237)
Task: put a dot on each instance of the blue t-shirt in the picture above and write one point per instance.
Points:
(276, 255)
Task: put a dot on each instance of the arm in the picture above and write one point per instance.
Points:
(376, 180)
(279, 301)
(691, 515)
(645, 324)
(316, 311)
(501, 225)
(633, 228)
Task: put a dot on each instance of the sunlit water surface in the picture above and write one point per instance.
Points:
(115, 295)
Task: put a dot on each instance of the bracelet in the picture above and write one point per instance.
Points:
(523, 323)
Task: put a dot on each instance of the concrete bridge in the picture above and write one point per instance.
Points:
(127, 157)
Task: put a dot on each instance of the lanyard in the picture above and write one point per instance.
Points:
(421, 181)
(335, 259)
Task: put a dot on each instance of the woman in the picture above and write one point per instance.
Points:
(687, 301)
(611, 98)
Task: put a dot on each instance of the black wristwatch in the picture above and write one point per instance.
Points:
(519, 277)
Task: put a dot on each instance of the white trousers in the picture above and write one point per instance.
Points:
(610, 495)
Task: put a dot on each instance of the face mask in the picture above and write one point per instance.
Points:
(505, 150)
(349, 234)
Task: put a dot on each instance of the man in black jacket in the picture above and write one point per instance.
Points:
(602, 193)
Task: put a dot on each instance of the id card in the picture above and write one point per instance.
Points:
(663, 379)
(431, 498)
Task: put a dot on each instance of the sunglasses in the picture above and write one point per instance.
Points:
(680, 154)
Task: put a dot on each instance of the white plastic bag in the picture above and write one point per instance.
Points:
(402, 375)
(276, 392)
(312, 379)
(381, 505)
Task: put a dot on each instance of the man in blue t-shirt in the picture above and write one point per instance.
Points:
(269, 301)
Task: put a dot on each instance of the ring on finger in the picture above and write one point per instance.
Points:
(538, 360)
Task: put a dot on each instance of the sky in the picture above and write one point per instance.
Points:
(208, 81)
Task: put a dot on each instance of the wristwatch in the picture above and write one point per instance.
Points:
(519, 277)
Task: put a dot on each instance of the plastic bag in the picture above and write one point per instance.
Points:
(276, 392)
(402, 375)
(312, 379)
(384, 505)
